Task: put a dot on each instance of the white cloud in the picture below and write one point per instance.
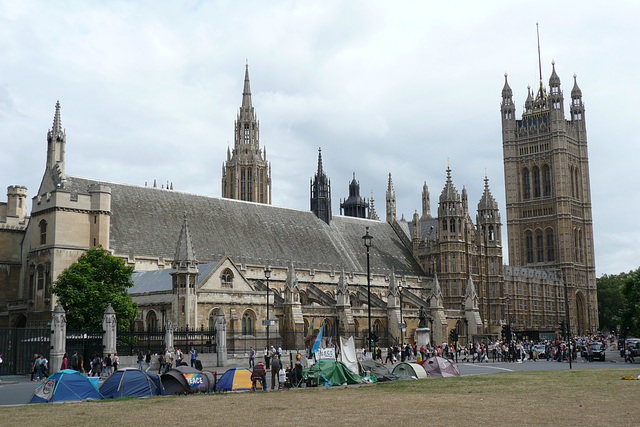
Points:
(151, 90)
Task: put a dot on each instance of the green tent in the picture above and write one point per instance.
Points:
(335, 372)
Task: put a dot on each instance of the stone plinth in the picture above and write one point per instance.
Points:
(422, 337)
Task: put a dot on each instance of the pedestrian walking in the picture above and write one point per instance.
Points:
(276, 365)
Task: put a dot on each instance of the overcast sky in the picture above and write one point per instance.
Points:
(150, 90)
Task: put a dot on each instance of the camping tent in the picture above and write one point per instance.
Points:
(378, 370)
(185, 380)
(131, 382)
(440, 367)
(67, 384)
(235, 379)
(410, 369)
(335, 372)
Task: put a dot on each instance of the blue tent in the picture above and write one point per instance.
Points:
(235, 379)
(65, 385)
(131, 382)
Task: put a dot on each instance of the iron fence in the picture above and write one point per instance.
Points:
(87, 342)
(18, 346)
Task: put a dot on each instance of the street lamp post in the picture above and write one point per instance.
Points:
(267, 274)
(567, 316)
(400, 288)
(367, 244)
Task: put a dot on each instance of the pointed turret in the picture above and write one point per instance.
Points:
(577, 107)
(391, 201)
(321, 193)
(54, 177)
(465, 200)
(554, 80)
(372, 209)
(57, 123)
(528, 104)
(488, 217)
(354, 205)
(507, 93)
(426, 202)
(184, 248)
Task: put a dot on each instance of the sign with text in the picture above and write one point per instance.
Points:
(327, 353)
(268, 323)
(194, 380)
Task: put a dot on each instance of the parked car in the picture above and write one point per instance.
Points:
(597, 351)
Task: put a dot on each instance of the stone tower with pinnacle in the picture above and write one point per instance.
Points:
(546, 167)
(246, 174)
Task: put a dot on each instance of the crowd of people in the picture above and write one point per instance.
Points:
(498, 351)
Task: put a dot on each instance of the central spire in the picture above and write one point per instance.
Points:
(246, 92)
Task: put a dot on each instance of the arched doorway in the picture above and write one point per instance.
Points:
(20, 321)
(581, 314)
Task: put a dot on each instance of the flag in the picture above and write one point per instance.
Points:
(316, 344)
(311, 328)
(332, 332)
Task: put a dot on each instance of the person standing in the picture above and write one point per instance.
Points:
(147, 360)
(74, 361)
(108, 364)
(266, 357)
(194, 357)
(116, 362)
(276, 365)
(252, 357)
(140, 360)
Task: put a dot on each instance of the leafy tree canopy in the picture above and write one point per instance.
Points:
(619, 302)
(88, 286)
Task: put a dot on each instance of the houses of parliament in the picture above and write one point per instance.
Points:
(197, 256)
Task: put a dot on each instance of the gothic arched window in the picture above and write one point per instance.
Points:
(529, 246)
(43, 232)
(536, 182)
(226, 278)
(551, 255)
(247, 323)
(526, 184)
(546, 180)
(539, 246)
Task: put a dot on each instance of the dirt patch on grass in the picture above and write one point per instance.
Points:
(580, 397)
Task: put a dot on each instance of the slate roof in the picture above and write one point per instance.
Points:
(146, 221)
(160, 280)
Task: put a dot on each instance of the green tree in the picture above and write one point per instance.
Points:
(630, 317)
(89, 285)
(609, 300)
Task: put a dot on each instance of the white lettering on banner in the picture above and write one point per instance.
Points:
(328, 353)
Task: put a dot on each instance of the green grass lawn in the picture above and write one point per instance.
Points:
(582, 397)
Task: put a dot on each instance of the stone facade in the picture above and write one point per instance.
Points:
(198, 258)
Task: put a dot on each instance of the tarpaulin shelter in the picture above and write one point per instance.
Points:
(131, 382)
(185, 380)
(348, 354)
(440, 367)
(235, 379)
(67, 384)
(410, 369)
(337, 373)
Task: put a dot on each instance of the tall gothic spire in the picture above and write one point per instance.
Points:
(391, 201)
(57, 123)
(246, 92)
(321, 193)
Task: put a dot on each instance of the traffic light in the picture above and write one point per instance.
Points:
(453, 335)
(504, 333)
(563, 330)
(508, 333)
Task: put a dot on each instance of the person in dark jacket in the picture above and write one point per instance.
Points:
(276, 365)
(259, 374)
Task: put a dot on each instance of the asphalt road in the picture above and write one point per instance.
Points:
(16, 390)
